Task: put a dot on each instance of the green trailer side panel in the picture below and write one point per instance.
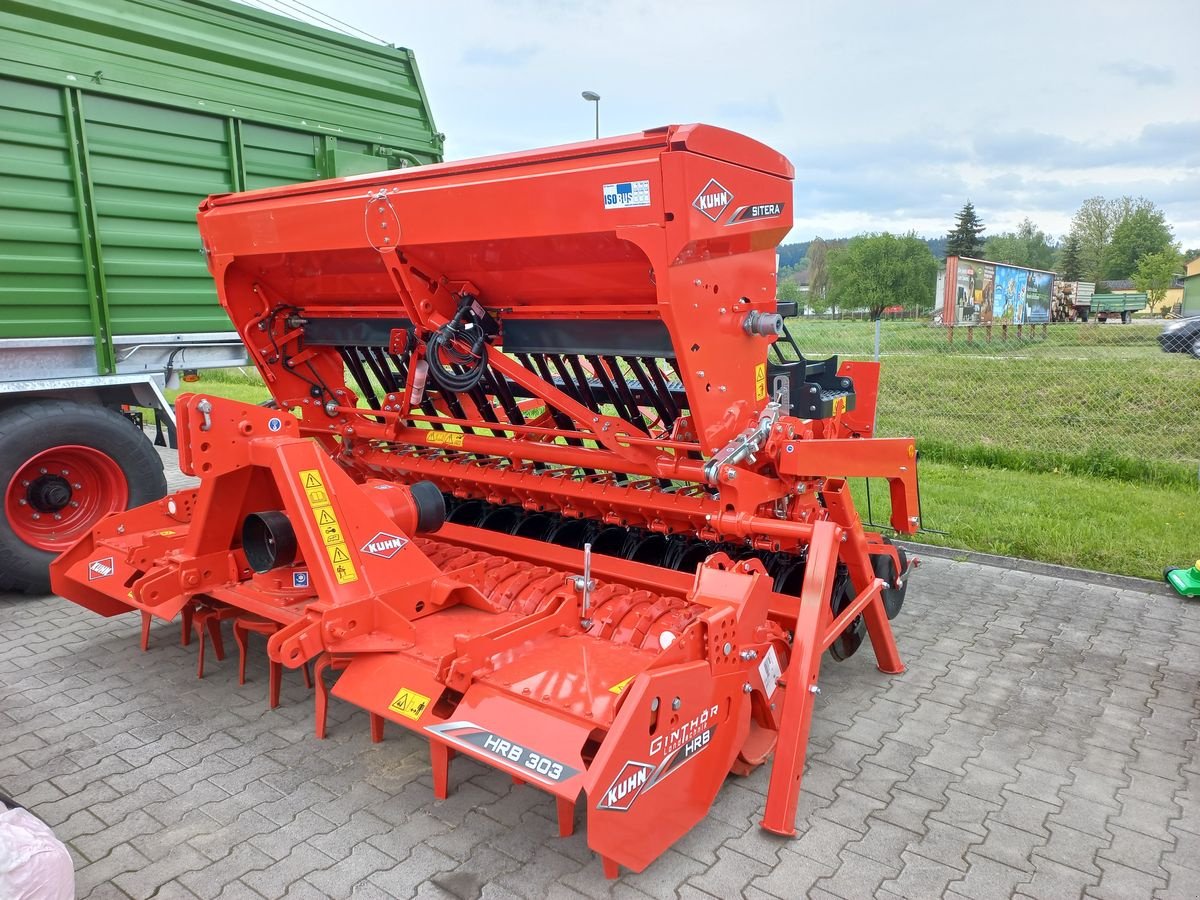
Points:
(43, 282)
(273, 156)
(149, 168)
(120, 116)
(221, 57)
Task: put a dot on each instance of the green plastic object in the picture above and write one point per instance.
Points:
(1185, 581)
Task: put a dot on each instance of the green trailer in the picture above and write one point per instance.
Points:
(1115, 306)
(117, 117)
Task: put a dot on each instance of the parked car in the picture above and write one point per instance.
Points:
(1181, 336)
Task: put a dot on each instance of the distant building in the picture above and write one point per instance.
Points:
(799, 277)
(1125, 286)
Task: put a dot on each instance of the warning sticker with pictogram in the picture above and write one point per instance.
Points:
(409, 704)
(621, 685)
(328, 526)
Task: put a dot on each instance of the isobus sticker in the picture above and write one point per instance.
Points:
(626, 194)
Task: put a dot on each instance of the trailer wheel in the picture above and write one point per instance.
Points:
(63, 467)
(1196, 347)
(1125, 317)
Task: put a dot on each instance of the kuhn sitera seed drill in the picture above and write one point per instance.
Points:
(546, 479)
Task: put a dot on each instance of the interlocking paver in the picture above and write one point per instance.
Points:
(1042, 744)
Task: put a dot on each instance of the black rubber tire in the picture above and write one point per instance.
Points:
(1196, 347)
(28, 429)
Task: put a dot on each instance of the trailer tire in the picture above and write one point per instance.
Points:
(116, 466)
(1196, 347)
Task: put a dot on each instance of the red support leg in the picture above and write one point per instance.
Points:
(239, 638)
(146, 617)
(611, 868)
(213, 622)
(321, 695)
(566, 816)
(855, 553)
(439, 758)
(200, 656)
(883, 642)
(814, 616)
(274, 678)
(376, 728)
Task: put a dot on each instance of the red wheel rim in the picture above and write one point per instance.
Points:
(55, 497)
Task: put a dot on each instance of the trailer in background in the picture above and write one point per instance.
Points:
(1116, 306)
(113, 135)
(1072, 301)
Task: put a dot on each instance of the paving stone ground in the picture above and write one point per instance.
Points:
(1043, 743)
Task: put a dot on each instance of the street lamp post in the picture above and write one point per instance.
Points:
(593, 97)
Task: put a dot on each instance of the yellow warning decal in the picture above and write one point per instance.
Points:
(328, 525)
(621, 685)
(760, 381)
(409, 704)
(839, 405)
(449, 438)
(166, 532)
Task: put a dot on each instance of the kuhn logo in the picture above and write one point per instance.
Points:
(624, 789)
(713, 199)
(100, 568)
(384, 544)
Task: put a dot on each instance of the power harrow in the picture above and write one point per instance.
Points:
(545, 480)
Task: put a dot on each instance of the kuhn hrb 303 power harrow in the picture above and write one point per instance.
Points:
(547, 481)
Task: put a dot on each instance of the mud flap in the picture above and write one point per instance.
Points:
(660, 767)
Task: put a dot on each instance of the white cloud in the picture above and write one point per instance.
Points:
(894, 113)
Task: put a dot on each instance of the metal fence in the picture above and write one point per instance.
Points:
(1085, 397)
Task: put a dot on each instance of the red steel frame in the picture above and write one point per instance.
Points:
(666, 681)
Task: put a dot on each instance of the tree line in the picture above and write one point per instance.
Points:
(1109, 240)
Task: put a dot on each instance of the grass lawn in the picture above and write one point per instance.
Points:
(1075, 520)
(1088, 399)
(1025, 508)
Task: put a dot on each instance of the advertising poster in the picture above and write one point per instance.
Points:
(1037, 297)
(1011, 285)
(973, 293)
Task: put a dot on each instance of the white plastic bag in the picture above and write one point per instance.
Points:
(34, 864)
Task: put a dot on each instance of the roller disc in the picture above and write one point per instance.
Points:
(893, 597)
(847, 643)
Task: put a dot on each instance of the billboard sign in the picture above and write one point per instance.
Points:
(977, 292)
(974, 286)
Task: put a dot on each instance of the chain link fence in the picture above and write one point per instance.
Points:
(1089, 398)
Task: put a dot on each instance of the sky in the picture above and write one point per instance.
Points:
(893, 113)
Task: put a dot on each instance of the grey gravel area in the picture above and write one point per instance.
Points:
(1042, 743)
